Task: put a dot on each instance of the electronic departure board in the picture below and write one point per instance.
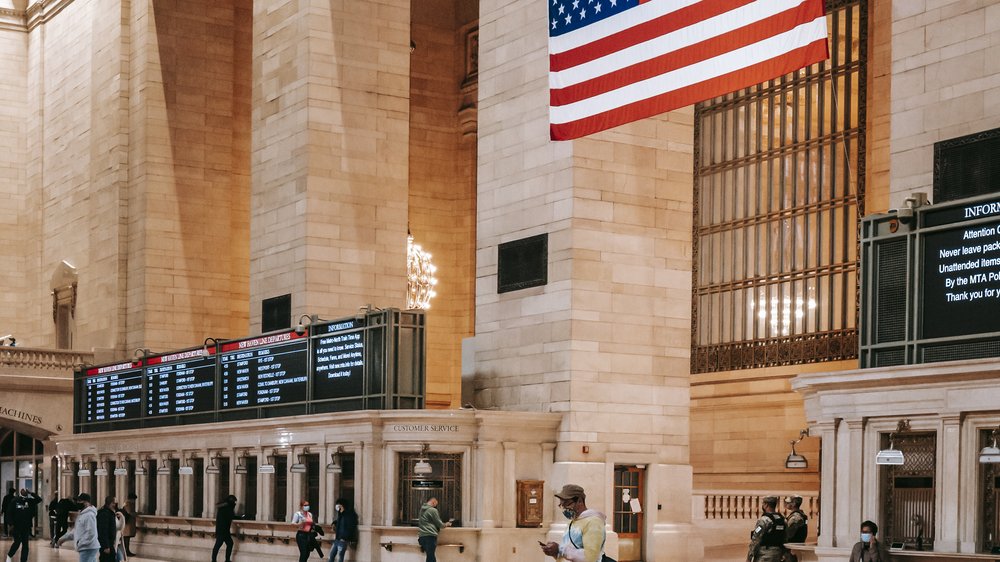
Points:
(113, 392)
(267, 370)
(181, 383)
(339, 359)
(374, 359)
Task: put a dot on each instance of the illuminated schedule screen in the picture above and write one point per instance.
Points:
(339, 360)
(112, 393)
(181, 383)
(264, 371)
(329, 366)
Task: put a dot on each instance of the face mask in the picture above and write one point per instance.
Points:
(305, 508)
(569, 513)
(866, 537)
(340, 508)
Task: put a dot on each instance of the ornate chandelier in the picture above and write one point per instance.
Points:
(420, 280)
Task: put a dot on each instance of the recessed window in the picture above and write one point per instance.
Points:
(523, 263)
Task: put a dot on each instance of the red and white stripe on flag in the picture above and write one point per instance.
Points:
(615, 61)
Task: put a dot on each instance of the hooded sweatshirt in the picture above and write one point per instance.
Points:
(85, 530)
(584, 539)
(430, 522)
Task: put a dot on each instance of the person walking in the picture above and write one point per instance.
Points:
(225, 512)
(767, 540)
(63, 507)
(22, 512)
(345, 529)
(428, 527)
(107, 529)
(85, 530)
(304, 519)
(584, 538)
(7, 511)
(131, 522)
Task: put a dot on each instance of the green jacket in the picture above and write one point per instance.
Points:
(430, 522)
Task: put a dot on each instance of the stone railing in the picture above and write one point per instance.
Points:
(744, 505)
(37, 358)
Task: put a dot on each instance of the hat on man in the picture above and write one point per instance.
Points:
(570, 491)
(84, 497)
(794, 500)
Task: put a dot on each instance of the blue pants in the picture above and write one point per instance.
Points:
(88, 554)
(429, 544)
(339, 549)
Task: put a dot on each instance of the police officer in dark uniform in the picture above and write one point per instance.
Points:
(796, 524)
(767, 540)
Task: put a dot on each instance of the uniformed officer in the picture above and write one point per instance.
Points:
(767, 540)
(796, 526)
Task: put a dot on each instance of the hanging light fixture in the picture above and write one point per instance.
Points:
(794, 459)
(423, 466)
(334, 467)
(420, 279)
(991, 453)
(891, 455)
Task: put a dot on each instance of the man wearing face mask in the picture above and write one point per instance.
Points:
(345, 529)
(767, 540)
(107, 529)
(868, 549)
(584, 538)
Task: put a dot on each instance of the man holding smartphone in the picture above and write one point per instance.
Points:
(868, 549)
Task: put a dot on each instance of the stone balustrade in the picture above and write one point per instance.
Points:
(744, 504)
(42, 359)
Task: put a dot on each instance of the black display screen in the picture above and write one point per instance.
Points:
(264, 371)
(112, 393)
(961, 281)
(181, 383)
(339, 359)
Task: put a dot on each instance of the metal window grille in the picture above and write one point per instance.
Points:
(628, 486)
(778, 192)
(444, 483)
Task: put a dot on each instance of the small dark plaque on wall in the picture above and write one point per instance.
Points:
(523, 263)
(276, 313)
(967, 166)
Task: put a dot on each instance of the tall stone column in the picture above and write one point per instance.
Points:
(238, 480)
(605, 339)
(211, 487)
(164, 505)
(850, 464)
(265, 490)
(142, 485)
(489, 467)
(827, 432)
(950, 432)
(330, 154)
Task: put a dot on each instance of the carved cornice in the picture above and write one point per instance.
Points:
(41, 11)
(12, 20)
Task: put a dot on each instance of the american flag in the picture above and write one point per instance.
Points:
(616, 61)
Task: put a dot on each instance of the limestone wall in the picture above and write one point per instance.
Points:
(945, 82)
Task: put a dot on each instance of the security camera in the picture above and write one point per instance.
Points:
(904, 212)
(300, 329)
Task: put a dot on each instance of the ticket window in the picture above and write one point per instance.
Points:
(908, 492)
(444, 482)
(989, 503)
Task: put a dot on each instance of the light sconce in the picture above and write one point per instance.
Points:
(268, 467)
(420, 279)
(102, 469)
(212, 467)
(991, 454)
(141, 353)
(164, 467)
(140, 466)
(186, 469)
(241, 465)
(215, 344)
(120, 469)
(300, 467)
(795, 460)
(423, 467)
(334, 467)
(893, 456)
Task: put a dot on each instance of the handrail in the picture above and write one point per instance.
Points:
(388, 546)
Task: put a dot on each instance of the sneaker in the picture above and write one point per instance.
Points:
(8, 558)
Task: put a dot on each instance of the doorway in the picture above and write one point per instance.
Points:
(627, 497)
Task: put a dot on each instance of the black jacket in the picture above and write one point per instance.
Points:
(23, 510)
(224, 518)
(346, 526)
(106, 527)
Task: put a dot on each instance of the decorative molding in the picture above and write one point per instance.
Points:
(12, 20)
(42, 11)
